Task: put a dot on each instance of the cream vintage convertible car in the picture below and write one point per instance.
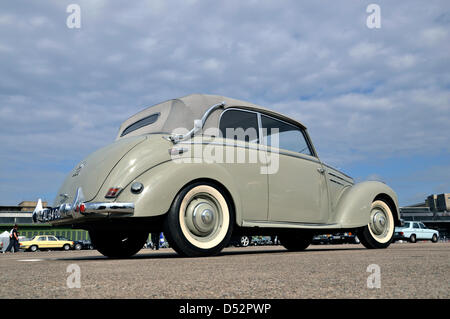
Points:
(202, 168)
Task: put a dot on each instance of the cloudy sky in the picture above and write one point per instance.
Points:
(376, 101)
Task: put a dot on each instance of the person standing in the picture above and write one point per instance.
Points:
(13, 240)
(155, 241)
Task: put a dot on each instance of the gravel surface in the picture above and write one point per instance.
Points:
(420, 270)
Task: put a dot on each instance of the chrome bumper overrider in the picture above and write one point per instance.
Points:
(79, 208)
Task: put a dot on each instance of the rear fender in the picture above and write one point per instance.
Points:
(163, 182)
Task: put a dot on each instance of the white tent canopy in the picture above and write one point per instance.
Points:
(4, 239)
(4, 234)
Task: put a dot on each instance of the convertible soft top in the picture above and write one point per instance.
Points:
(182, 112)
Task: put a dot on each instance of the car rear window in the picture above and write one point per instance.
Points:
(141, 123)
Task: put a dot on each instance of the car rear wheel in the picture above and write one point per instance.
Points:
(380, 230)
(118, 244)
(200, 221)
(413, 238)
(297, 241)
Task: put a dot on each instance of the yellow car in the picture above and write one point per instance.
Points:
(45, 242)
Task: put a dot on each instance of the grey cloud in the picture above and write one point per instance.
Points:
(361, 92)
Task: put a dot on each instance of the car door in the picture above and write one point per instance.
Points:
(53, 242)
(417, 231)
(242, 159)
(298, 189)
(42, 242)
(426, 232)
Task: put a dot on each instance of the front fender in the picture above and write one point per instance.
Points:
(353, 209)
(163, 182)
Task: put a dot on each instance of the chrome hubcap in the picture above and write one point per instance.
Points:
(203, 215)
(379, 222)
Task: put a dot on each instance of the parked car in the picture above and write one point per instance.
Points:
(45, 242)
(240, 241)
(413, 231)
(202, 166)
(78, 244)
(322, 239)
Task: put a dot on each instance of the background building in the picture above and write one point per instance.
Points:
(434, 212)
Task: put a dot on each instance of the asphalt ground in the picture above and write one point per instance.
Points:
(404, 270)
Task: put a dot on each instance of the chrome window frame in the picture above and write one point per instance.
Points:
(302, 130)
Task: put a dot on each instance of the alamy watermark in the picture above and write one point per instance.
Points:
(374, 279)
(237, 146)
(374, 19)
(74, 279)
(73, 21)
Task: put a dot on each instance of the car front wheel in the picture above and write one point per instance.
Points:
(118, 244)
(200, 221)
(380, 230)
(245, 241)
(34, 248)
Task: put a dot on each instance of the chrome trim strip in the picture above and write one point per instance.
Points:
(342, 179)
(258, 147)
(269, 224)
(337, 170)
(99, 207)
(332, 180)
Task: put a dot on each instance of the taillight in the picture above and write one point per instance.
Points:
(401, 233)
(112, 192)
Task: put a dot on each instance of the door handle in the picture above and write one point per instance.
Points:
(321, 170)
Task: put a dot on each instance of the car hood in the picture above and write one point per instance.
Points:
(91, 173)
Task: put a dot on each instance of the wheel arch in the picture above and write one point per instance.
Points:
(392, 205)
(163, 183)
(222, 188)
(354, 206)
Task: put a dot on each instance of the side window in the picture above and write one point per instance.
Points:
(51, 238)
(43, 238)
(239, 125)
(416, 225)
(141, 123)
(422, 226)
(289, 137)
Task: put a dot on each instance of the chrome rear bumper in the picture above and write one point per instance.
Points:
(80, 208)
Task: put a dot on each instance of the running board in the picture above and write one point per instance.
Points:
(273, 224)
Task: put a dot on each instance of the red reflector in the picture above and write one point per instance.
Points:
(82, 208)
(112, 192)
